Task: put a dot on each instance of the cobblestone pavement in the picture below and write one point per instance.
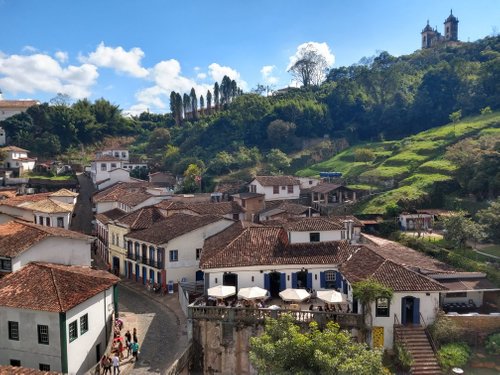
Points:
(161, 327)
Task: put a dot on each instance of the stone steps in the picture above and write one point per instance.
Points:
(416, 342)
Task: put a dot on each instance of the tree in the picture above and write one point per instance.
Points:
(179, 106)
(364, 155)
(367, 292)
(194, 104)
(186, 102)
(281, 133)
(490, 219)
(216, 96)
(459, 229)
(192, 179)
(455, 117)
(284, 349)
(277, 160)
(175, 108)
(209, 102)
(310, 68)
(158, 139)
(141, 173)
(225, 90)
(202, 105)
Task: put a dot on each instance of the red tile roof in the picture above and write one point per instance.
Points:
(129, 193)
(326, 188)
(239, 246)
(365, 263)
(52, 287)
(17, 237)
(172, 227)
(14, 148)
(308, 224)
(277, 180)
(14, 370)
(203, 208)
(109, 216)
(18, 103)
(20, 200)
(64, 193)
(143, 218)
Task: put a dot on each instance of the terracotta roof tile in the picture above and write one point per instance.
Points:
(239, 246)
(22, 200)
(203, 208)
(50, 206)
(172, 227)
(17, 237)
(143, 218)
(52, 287)
(129, 193)
(15, 370)
(18, 103)
(277, 180)
(109, 216)
(14, 148)
(327, 187)
(64, 193)
(308, 224)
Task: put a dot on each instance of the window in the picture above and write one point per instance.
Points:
(456, 294)
(44, 367)
(314, 237)
(198, 254)
(330, 279)
(174, 255)
(283, 188)
(382, 307)
(236, 216)
(113, 165)
(43, 334)
(5, 265)
(342, 234)
(15, 362)
(60, 222)
(124, 154)
(117, 154)
(243, 203)
(84, 324)
(13, 330)
(47, 221)
(73, 331)
(276, 189)
(290, 189)
(103, 166)
(253, 188)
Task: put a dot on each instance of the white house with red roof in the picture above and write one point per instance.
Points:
(17, 159)
(56, 317)
(111, 166)
(22, 243)
(275, 187)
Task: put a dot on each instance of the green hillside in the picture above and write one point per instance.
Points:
(406, 170)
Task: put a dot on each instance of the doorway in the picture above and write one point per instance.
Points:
(230, 279)
(116, 266)
(302, 280)
(410, 310)
(275, 284)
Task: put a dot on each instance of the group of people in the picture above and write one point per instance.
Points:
(131, 345)
(331, 308)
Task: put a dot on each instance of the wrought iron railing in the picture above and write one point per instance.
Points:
(428, 334)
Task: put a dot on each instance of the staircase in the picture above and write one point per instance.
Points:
(414, 339)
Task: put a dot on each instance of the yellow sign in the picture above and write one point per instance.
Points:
(378, 337)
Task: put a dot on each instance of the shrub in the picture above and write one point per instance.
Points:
(364, 155)
(444, 330)
(492, 344)
(453, 355)
(403, 357)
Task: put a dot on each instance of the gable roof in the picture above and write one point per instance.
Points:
(50, 206)
(142, 218)
(311, 224)
(240, 246)
(17, 237)
(23, 104)
(14, 149)
(52, 287)
(24, 200)
(365, 263)
(203, 208)
(327, 187)
(129, 193)
(280, 206)
(277, 180)
(64, 193)
(172, 227)
(109, 216)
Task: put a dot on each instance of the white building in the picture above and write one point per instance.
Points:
(10, 108)
(56, 317)
(17, 159)
(170, 250)
(276, 187)
(22, 243)
(111, 166)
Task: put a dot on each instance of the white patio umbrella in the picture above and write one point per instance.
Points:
(330, 296)
(252, 293)
(296, 295)
(221, 291)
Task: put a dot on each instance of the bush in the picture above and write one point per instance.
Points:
(492, 344)
(403, 357)
(364, 155)
(444, 330)
(453, 355)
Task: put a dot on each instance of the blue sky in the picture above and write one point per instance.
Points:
(134, 53)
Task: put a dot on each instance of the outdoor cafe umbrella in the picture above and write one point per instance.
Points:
(296, 295)
(252, 293)
(330, 296)
(221, 291)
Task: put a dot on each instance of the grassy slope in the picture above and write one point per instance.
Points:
(414, 163)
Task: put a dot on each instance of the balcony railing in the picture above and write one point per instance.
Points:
(131, 256)
(155, 264)
(145, 260)
(253, 315)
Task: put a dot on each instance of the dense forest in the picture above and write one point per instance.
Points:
(380, 98)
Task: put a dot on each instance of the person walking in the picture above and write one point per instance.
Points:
(106, 364)
(116, 364)
(134, 335)
(135, 351)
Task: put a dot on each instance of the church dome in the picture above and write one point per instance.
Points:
(427, 27)
(451, 18)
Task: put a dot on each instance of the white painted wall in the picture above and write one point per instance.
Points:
(105, 206)
(429, 305)
(150, 201)
(269, 195)
(81, 351)
(27, 349)
(53, 218)
(67, 200)
(17, 212)
(301, 237)
(477, 297)
(58, 250)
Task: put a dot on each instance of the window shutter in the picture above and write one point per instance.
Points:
(282, 281)
(294, 280)
(322, 281)
(338, 280)
(309, 280)
(344, 285)
(416, 311)
(267, 282)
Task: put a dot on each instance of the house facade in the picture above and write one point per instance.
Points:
(17, 159)
(275, 187)
(58, 320)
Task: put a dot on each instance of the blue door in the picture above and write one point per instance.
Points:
(410, 310)
(144, 275)
(136, 272)
(151, 276)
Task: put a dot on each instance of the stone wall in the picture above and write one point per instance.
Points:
(478, 327)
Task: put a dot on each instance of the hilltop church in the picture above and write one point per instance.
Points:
(432, 37)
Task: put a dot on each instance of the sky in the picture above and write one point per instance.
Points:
(135, 52)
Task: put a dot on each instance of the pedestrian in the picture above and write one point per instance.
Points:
(107, 365)
(135, 351)
(134, 335)
(128, 336)
(116, 364)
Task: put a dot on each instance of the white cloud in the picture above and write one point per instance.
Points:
(40, 72)
(217, 72)
(267, 76)
(201, 75)
(61, 56)
(321, 48)
(30, 49)
(128, 62)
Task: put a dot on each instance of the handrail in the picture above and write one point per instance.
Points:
(396, 320)
(428, 334)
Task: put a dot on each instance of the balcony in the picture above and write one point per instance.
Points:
(131, 256)
(155, 264)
